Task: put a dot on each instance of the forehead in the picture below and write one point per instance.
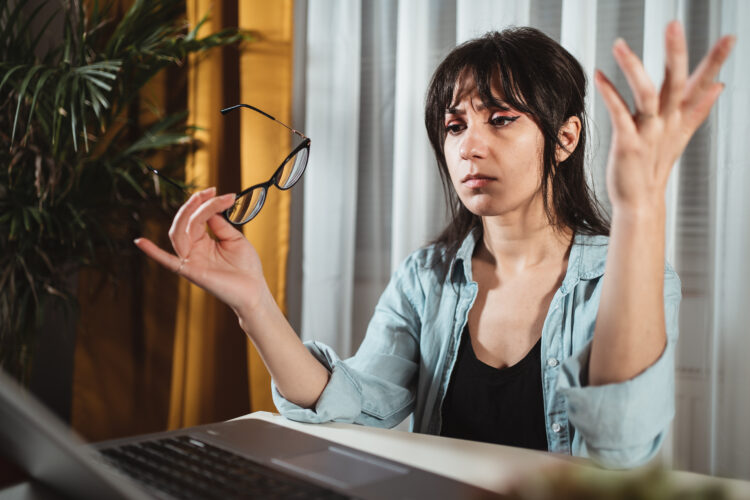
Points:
(466, 87)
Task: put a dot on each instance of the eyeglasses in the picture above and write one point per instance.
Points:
(248, 202)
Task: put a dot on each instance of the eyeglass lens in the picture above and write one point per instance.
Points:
(292, 170)
(249, 204)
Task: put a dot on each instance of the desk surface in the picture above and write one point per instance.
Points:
(493, 467)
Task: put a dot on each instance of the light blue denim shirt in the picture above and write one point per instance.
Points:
(405, 362)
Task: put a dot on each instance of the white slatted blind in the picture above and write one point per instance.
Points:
(730, 439)
(426, 33)
(372, 265)
(694, 263)
(476, 17)
(332, 121)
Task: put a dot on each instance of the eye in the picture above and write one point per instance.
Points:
(498, 120)
(455, 127)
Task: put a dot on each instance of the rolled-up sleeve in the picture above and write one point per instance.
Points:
(377, 386)
(623, 425)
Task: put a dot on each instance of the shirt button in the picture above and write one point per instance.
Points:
(556, 427)
(552, 362)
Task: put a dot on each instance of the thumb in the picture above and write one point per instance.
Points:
(222, 229)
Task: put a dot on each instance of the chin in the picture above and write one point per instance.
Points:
(497, 204)
(484, 209)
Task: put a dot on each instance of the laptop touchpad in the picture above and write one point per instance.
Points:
(341, 468)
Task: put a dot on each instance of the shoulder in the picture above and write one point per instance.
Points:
(588, 259)
(588, 255)
(427, 264)
(442, 263)
(430, 271)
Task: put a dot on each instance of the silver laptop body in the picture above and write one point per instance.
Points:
(32, 438)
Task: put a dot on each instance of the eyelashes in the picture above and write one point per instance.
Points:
(454, 128)
(502, 120)
(497, 121)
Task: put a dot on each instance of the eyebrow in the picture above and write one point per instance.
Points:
(502, 106)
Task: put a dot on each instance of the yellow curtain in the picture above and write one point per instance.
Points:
(206, 383)
(266, 82)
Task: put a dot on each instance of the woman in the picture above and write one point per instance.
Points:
(523, 323)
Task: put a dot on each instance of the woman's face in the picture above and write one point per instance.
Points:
(494, 156)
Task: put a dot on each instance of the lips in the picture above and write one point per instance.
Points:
(474, 181)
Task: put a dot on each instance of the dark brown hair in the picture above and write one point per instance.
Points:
(538, 77)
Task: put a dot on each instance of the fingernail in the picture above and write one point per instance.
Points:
(674, 28)
(229, 196)
(136, 240)
(620, 45)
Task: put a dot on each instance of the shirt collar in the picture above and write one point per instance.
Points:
(586, 261)
(587, 258)
(461, 264)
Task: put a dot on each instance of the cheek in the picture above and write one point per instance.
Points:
(450, 147)
(530, 160)
(450, 151)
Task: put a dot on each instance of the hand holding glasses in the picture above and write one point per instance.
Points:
(226, 263)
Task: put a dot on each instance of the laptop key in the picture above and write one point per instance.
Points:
(185, 467)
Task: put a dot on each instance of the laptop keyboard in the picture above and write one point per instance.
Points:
(185, 467)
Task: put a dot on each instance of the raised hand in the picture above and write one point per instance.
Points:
(226, 266)
(631, 324)
(646, 143)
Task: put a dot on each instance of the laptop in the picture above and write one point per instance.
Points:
(246, 458)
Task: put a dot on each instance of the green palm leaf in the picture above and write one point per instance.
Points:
(22, 95)
(72, 146)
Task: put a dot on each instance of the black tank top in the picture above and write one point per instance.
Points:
(501, 406)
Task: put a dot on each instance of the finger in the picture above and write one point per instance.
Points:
(676, 69)
(699, 112)
(177, 232)
(619, 113)
(223, 230)
(644, 92)
(196, 227)
(702, 79)
(166, 259)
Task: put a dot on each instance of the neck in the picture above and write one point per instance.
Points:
(519, 241)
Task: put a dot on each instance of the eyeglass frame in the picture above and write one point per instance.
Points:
(273, 181)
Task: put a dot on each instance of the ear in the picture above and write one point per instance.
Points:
(568, 136)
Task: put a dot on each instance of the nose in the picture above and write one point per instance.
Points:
(473, 143)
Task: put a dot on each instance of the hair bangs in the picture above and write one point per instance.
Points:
(481, 71)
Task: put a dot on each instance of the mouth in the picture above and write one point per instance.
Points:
(476, 180)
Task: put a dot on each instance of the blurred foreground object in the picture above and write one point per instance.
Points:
(588, 482)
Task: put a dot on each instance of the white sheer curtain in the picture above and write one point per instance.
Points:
(372, 195)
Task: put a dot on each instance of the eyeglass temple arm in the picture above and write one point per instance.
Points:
(232, 108)
(164, 177)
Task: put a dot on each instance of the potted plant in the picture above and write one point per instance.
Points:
(74, 180)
